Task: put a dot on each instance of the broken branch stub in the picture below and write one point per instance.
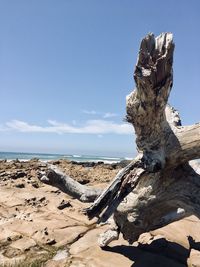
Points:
(146, 104)
(69, 186)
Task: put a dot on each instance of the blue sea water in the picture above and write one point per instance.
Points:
(46, 157)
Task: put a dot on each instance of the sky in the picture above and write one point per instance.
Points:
(66, 67)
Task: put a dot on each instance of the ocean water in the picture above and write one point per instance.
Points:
(47, 157)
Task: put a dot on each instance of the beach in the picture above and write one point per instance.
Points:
(41, 224)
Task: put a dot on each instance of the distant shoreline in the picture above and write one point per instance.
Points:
(21, 156)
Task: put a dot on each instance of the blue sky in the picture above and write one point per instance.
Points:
(66, 67)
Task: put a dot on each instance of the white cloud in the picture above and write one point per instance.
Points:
(3, 128)
(104, 115)
(109, 115)
(90, 112)
(98, 127)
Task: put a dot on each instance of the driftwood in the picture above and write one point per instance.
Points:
(163, 186)
(158, 186)
(69, 186)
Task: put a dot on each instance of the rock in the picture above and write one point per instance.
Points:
(23, 244)
(21, 185)
(154, 244)
(113, 166)
(93, 256)
(16, 161)
(61, 255)
(18, 174)
(160, 246)
(68, 235)
(31, 216)
(59, 260)
(64, 204)
(145, 238)
(179, 231)
(84, 181)
(108, 236)
(43, 237)
(56, 162)
(36, 201)
(3, 161)
(53, 263)
(194, 258)
(7, 261)
(33, 160)
(100, 163)
(85, 164)
(35, 184)
(50, 241)
(88, 240)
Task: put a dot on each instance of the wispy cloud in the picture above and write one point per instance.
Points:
(109, 115)
(104, 115)
(98, 127)
(3, 128)
(90, 112)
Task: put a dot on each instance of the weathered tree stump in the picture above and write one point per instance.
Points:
(159, 186)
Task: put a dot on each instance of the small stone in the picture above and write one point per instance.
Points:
(35, 184)
(108, 236)
(194, 258)
(51, 241)
(17, 175)
(60, 255)
(42, 199)
(64, 204)
(20, 185)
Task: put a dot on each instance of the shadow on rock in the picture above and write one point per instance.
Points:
(160, 253)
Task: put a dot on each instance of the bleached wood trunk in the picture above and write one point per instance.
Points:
(159, 186)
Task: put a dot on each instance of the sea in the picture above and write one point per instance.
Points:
(47, 157)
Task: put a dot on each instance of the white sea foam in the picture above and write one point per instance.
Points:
(111, 158)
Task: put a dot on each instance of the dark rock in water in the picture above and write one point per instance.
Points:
(56, 162)
(64, 204)
(114, 166)
(16, 161)
(86, 164)
(34, 160)
(100, 162)
(3, 161)
(89, 164)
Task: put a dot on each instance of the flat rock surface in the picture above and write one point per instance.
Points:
(33, 226)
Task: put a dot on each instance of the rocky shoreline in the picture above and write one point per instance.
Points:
(41, 225)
